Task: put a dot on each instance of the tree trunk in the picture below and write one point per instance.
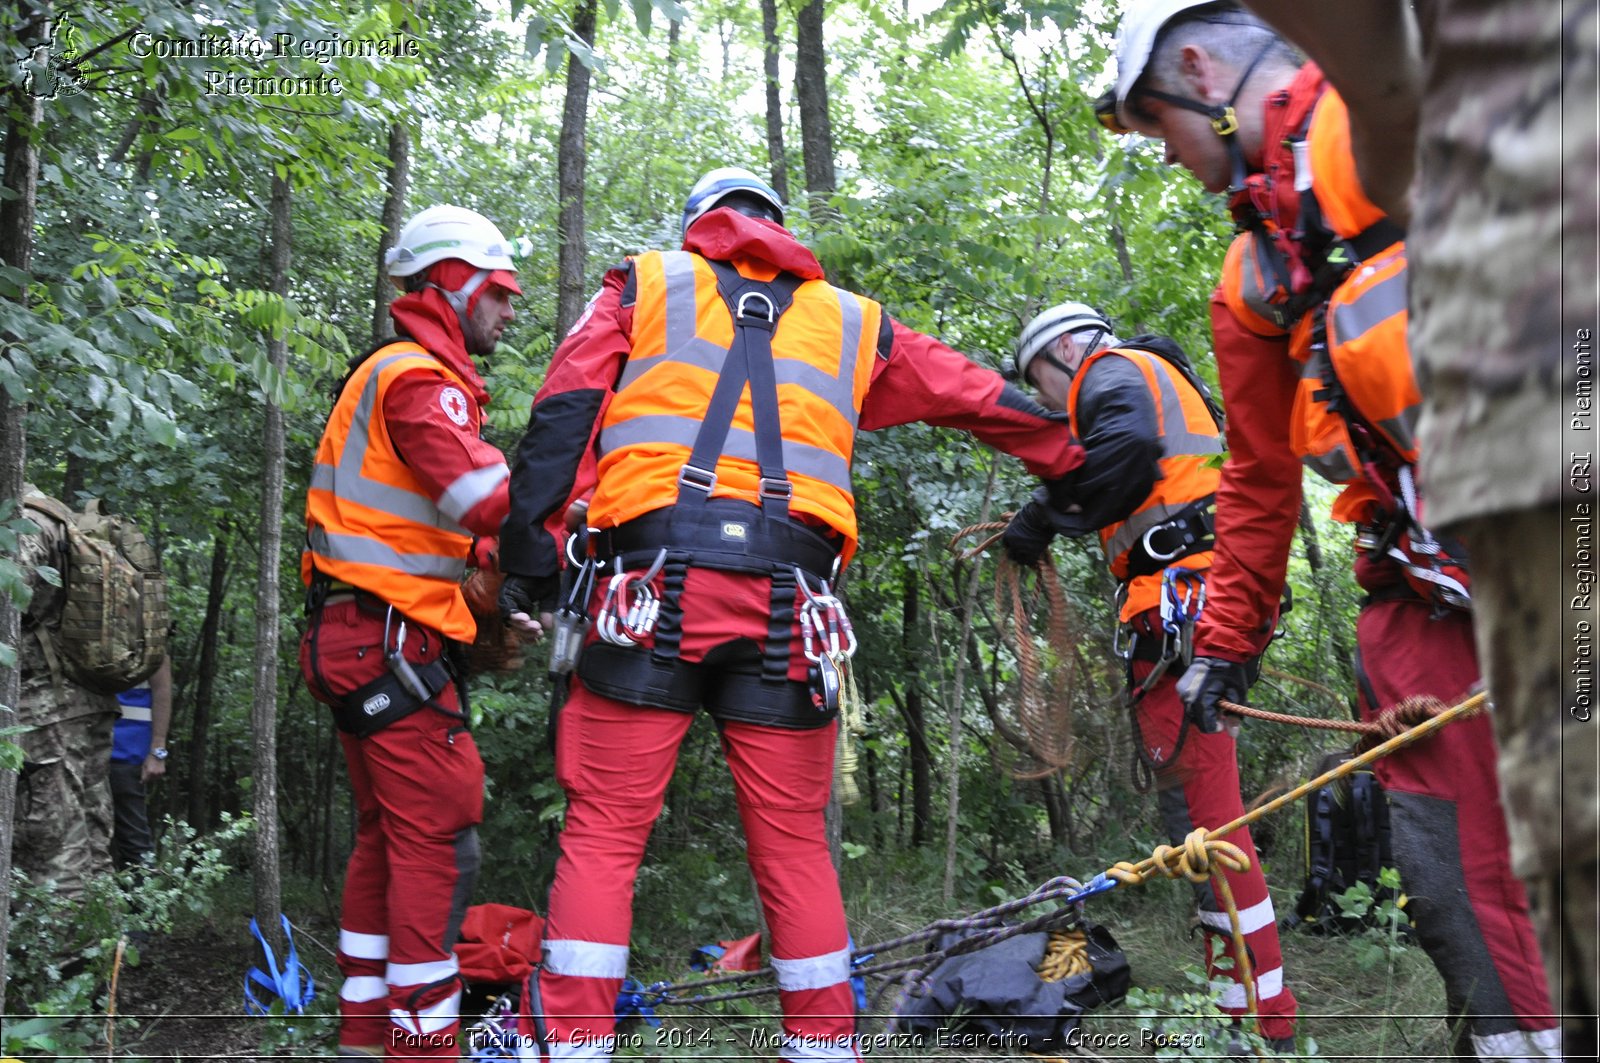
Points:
(811, 86)
(264, 705)
(572, 161)
(16, 250)
(777, 157)
(958, 703)
(394, 211)
(206, 680)
(916, 727)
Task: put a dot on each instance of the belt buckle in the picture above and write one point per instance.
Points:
(778, 490)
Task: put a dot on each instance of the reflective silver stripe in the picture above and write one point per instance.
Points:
(425, 973)
(1134, 527)
(802, 458)
(360, 550)
(1253, 285)
(361, 988)
(1176, 439)
(586, 959)
(681, 313)
(1268, 985)
(812, 972)
(434, 1018)
(471, 488)
(363, 946)
(1402, 428)
(1256, 917)
(1372, 308)
(1334, 466)
(346, 480)
(135, 713)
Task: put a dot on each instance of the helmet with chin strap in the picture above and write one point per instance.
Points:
(445, 232)
(709, 192)
(1050, 326)
(1142, 24)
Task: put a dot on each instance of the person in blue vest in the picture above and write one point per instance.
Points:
(138, 755)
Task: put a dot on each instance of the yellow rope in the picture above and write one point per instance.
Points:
(1066, 956)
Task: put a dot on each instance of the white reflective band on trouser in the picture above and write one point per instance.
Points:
(401, 974)
(818, 1049)
(597, 1052)
(1268, 985)
(1518, 1046)
(586, 959)
(363, 946)
(431, 1019)
(362, 988)
(813, 972)
(1251, 919)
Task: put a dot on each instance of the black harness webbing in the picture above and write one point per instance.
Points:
(697, 531)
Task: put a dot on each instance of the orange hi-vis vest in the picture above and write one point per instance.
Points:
(1360, 379)
(1189, 436)
(369, 523)
(822, 353)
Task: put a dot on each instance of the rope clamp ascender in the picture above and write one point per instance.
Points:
(572, 616)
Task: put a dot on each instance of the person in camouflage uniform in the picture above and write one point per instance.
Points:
(1500, 96)
(62, 830)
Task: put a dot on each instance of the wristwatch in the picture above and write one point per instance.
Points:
(159, 752)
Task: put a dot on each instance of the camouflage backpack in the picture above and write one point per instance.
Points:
(112, 633)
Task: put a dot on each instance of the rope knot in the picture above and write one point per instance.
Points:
(1406, 714)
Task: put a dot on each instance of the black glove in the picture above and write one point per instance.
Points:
(1207, 682)
(528, 594)
(1027, 538)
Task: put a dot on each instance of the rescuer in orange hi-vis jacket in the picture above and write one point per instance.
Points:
(1151, 435)
(1309, 329)
(404, 495)
(709, 399)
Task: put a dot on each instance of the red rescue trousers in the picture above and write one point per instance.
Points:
(1447, 824)
(1201, 789)
(418, 789)
(614, 761)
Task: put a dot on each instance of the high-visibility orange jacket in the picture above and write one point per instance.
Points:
(822, 353)
(371, 522)
(1188, 437)
(1361, 380)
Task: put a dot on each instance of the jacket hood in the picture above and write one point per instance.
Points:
(725, 235)
(426, 317)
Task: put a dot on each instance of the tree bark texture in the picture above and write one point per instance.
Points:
(394, 212)
(572, 159)
(916, 726)
(206, 681)
(811, 87)
(264, 704)
(21, 176)
(777, 157)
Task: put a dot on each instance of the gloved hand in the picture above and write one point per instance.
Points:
(1207, 682)
(1027, 538)
(527, 601)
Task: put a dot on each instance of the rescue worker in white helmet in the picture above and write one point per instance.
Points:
(405, 494)
(1309, 325)
(709, 399)
(1151, 433)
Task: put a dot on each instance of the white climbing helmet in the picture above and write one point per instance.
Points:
(1051, 324)
(445, 232)
(721, 182)
(1142, 22)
